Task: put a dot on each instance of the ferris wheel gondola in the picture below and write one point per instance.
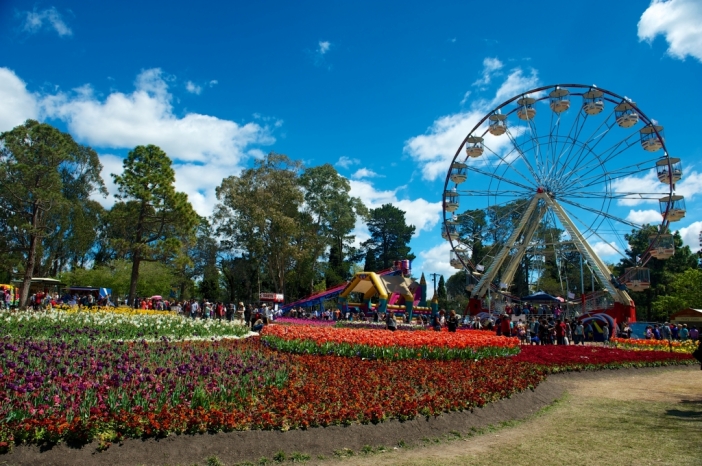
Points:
(567, 173)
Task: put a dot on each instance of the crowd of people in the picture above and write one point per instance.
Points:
(668, 331)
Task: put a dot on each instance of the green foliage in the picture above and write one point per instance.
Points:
(390, 237)
(441, 294)
(662, 273)
(46, 180)
(282, 220)
(258, 212)
(151, 216)
(154, 278)
(684, 291)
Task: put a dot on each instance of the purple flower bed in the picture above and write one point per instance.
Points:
(49, 383)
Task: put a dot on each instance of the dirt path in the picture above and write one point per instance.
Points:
(625, 417)
(607, 417)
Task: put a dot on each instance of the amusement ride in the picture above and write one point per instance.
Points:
(551, 170)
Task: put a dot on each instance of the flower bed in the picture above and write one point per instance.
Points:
(655, 345)
(557, 358)
(54, 390)
(90, 326)
(296, 321)
(124, 310)
(388, 345)
(61, 391)
(377, 325)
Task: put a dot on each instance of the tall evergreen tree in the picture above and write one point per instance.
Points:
(390, 236)
(154, 215)
(441, 293)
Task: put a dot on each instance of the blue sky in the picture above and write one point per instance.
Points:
(385, 91)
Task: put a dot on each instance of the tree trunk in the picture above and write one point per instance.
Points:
(134, 280)
(29, 270)
(136, 258)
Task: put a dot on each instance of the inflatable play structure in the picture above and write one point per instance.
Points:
(399, 294)
(391, 289)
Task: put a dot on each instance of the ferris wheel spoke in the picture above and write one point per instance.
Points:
(623, 172)
(595, 136)
(576, 127)
(597, 161)
(506, 180)
(522, 155)
(616, 195)
(504, 162)
(604, 214)
(592, 232)
(488, 193)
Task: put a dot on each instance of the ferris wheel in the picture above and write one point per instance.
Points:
(566, 167)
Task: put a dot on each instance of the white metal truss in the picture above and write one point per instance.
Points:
(508, 274)
(494, 267)
(599, 267)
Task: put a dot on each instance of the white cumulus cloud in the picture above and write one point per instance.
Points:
(690, 235)
(366, 173)
(603, 249)
(204, 148)
(434, 260)
(424, 215)
(636, 190)
(50, 18)
(434, 150)
(324, 46)
(641, 217)
(490, 67)
(679, 21)
(146, 116)
(18, 104)
(346, 162)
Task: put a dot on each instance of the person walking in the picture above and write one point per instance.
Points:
(390, 322)
(247, 315)
(452, 322)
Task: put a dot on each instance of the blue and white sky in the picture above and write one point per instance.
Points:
(385, 91)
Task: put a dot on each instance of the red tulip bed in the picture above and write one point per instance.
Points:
(554, 358)
(384, 344)
(63, 388)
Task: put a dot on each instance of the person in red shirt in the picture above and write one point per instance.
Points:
(505, 324)
(560, 332)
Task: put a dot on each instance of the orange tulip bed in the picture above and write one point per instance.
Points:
(381, 344)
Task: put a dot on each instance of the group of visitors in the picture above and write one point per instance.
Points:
(529, 309)
(668, 331)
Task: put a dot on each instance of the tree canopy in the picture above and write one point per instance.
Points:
(46, 180)
(390, 237)
(152, 216)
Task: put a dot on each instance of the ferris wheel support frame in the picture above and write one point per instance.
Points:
(492, 270)
(508, 275)
(588, 253)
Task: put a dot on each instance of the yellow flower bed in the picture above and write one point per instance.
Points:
(655, 345)
(121, 310)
